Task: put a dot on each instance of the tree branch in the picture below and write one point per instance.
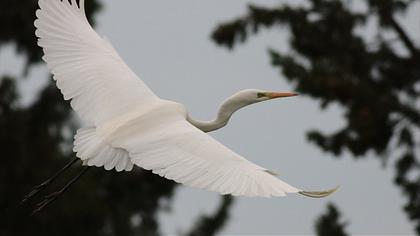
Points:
(404, 37)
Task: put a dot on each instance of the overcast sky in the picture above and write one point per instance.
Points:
(169, 47)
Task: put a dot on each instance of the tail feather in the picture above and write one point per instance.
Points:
(95, 152)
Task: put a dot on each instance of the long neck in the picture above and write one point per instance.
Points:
(226, 110)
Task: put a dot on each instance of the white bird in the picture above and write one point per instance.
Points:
(130, 125)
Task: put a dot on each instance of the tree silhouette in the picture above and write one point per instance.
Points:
(329, 224)
(37, 139)
(375, 79)
(210, 225)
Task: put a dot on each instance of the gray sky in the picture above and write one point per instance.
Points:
(170, 49)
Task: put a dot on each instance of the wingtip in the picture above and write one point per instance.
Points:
(318, 194)
(273, 172)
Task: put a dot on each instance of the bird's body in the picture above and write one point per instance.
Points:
(130, 125)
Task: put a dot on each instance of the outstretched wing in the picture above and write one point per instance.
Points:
(105, 92)
(86, 67)
(177, 150)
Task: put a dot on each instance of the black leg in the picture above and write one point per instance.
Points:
(44, 184)
(53, 196)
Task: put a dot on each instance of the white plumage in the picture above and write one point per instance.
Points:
(129, 124)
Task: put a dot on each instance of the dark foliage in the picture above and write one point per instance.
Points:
(102, 203)
(330, 223)
(375, 81)
(17, 26)
(36, 140)
(210, 225)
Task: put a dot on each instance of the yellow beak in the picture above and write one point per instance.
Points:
(272, 95)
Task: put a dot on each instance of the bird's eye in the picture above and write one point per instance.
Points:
(260, 95)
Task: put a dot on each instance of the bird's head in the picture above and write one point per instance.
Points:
(235, 102)
(250, 96)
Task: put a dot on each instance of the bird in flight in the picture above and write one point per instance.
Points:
(130, 125)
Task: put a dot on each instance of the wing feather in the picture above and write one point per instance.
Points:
(131, 124)
(85, 66)
(187, 155)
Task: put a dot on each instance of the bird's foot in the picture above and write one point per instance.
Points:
(53, 196)
(36, 190)
(47, 200)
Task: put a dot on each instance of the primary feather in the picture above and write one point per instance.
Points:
(86, 67)
(130, 124)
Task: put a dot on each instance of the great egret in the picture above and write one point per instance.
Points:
(130, 125)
